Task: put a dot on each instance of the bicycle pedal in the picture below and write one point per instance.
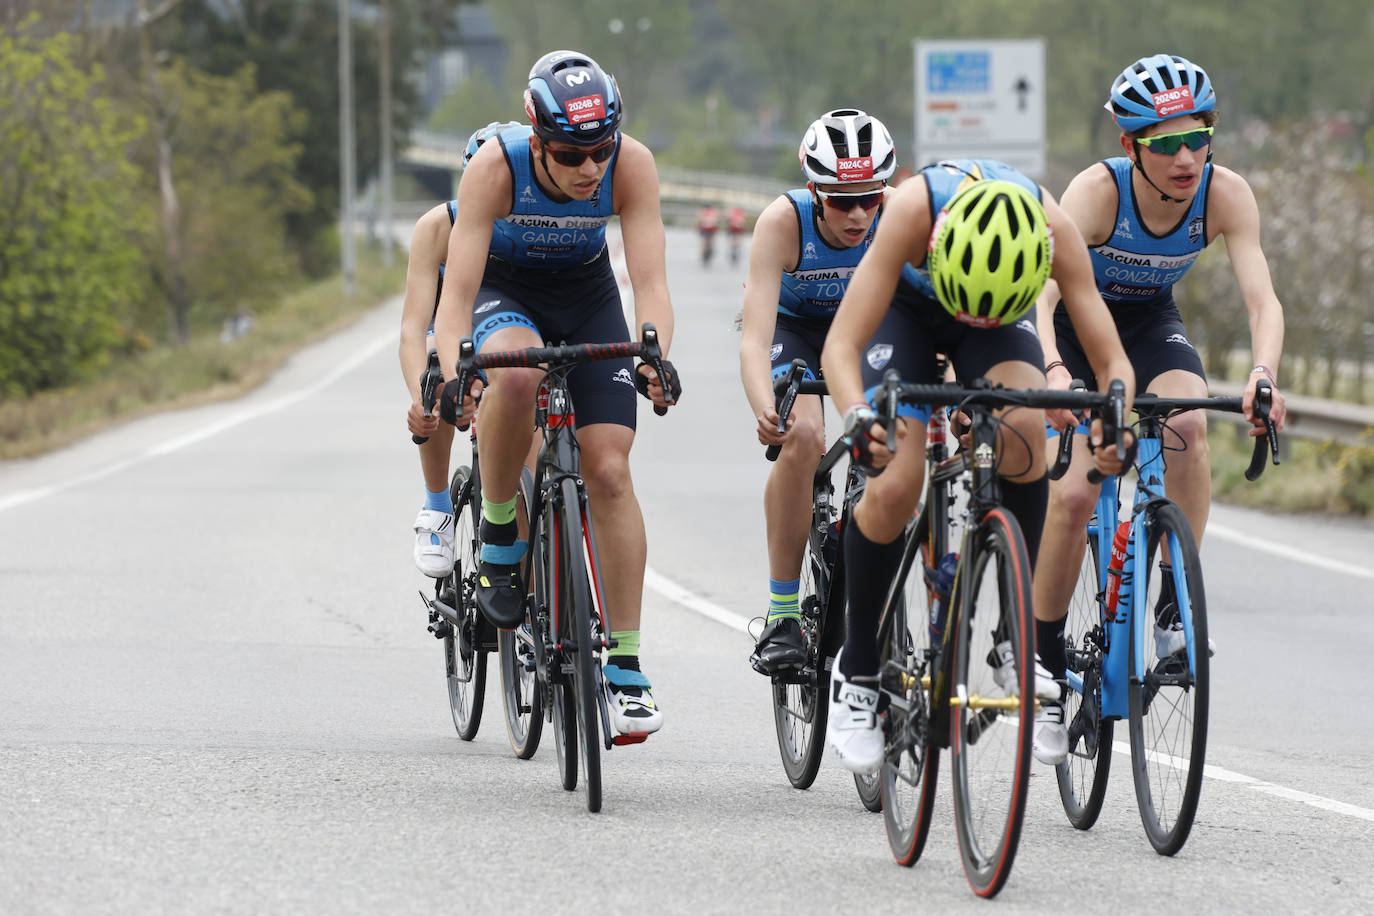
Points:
(631, 738)
(441, 629)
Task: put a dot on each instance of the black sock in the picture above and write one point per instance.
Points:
(1049, 645)
(869, 568)
(500, 534)
(627, 662)
(1027, 502)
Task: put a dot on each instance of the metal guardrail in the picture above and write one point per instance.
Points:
(1314, 419)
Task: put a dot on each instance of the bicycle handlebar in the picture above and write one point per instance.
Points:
(787, 388)
(1061, 461)
(646, 348)
(430, 380)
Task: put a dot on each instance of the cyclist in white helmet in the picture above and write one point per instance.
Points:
(806, 245)
(1146, 216)
(424, 280)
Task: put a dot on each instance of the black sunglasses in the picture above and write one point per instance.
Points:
(572, 158)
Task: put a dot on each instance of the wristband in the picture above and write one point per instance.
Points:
(1057, 362)
(1266, 370)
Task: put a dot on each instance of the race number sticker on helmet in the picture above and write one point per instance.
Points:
(587, 108)
(860, 169)
(1172, 102)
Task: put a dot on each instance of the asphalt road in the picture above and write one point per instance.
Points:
(217, 693)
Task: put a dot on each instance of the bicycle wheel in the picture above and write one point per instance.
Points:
(801, 705)
(1168, 707)
(911, 760)
(990, 730)
(869, 787)
(1083, 776)
(519, 680)
(580, 639)
(465, 659)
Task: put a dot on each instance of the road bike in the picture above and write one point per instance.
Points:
(801, 696)
(955, 669)
(1140, 570)
(552, 662)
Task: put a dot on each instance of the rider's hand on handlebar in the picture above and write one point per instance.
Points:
(448, 402)
(1104, 459)
(868, 437)
(768, 427)
(648, 384)
(1059, 379)
(418, 423)
(1276, 407)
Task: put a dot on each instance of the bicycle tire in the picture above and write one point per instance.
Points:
(800, 710)
(869, 787)
(1083, 776)
(911, 760)
(1168, 752)
(578, 604)
(520, 690)
(465, 657)
(991, 744)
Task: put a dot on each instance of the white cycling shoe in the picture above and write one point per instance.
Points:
(434, 543)
(853, 729)
(1004, 675)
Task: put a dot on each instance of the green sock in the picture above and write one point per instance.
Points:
(626, 649)
(499, 513)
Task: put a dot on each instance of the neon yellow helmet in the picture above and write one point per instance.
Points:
(990, 253)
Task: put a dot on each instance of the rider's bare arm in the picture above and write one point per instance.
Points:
(773, 250)
(428, 248)
(484, 196)
(641, 228)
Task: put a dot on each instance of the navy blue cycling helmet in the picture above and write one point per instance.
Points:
(482, 135)
(570, 99)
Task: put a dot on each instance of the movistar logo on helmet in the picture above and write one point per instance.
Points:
(577, 77)
(587, 108)
(1173, 101)
(857, 169)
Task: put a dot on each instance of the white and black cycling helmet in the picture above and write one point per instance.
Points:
(847, 145)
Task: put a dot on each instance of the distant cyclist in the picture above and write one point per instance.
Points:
(969, 240)
(806, 246)
(708, 221)
(735, 223)
(424, 279)
(528, 263)
(1146, 217)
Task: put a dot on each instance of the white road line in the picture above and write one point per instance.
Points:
(1288, 553)
(679, 595)
(177, 443)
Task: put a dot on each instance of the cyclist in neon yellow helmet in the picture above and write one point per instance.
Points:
(955, 265)
(1146, 216)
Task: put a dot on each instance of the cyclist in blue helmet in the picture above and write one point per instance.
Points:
(1146, 216)
(434, 526)
(527, 263)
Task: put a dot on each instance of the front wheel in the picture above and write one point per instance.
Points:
(581, 644)
(465, 656)
(523, 699)
(1082, 776)
(990, 728)
(1168, 705)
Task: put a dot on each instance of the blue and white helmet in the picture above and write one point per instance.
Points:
(482, 135)
(570, 99)
(1155, 89)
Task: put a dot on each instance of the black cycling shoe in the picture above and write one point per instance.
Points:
(780, 647)
(500, 594)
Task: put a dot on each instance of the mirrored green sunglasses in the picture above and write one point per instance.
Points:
(1168, 144)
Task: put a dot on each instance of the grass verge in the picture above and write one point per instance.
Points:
(1324, 477)
(204, 371)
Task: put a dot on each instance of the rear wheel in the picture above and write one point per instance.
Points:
(1083, 776)
(869, 786)
(991, 727)
(1168, 707)
(465, 657)
(800, 708)
(523, 700)
(907, 779)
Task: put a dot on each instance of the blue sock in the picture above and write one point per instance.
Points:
(782, 599)
(439, 502)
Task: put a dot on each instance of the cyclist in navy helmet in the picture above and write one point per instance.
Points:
(528, 264)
